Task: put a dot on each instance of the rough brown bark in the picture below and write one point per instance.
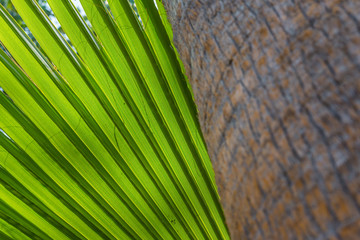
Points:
(278, 92)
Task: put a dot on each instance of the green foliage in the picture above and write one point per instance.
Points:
(99, 138)
(11, 9)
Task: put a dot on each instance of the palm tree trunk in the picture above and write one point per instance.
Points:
(278, 92)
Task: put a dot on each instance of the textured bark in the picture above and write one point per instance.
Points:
(277, 84)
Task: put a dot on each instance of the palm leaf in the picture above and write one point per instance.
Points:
(99, 139)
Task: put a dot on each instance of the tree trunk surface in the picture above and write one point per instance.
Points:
(277, 85)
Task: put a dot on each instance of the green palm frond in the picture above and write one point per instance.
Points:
(99, 139)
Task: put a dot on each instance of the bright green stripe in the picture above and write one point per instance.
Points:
(128, 98)
(167, 60)
(78, 143)
(95, 127)
(152, 150)
(47, 146)
(115, 186)
(8, 231)
(195, 190)
(15, 231)
(92, 123)
(106, 104)
(168, 28)
(42, 140)
(28, 213)
(70, 65)
(97, 17)
(164, 54)
(133, 34)
(97, 54)
(188, 202)
(111, 184)
(16, 219)
(10, 224)
(22, 193)
(51, 185)
(4, 236)
(48, 197)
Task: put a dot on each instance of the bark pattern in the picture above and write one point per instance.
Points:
(277, 86)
